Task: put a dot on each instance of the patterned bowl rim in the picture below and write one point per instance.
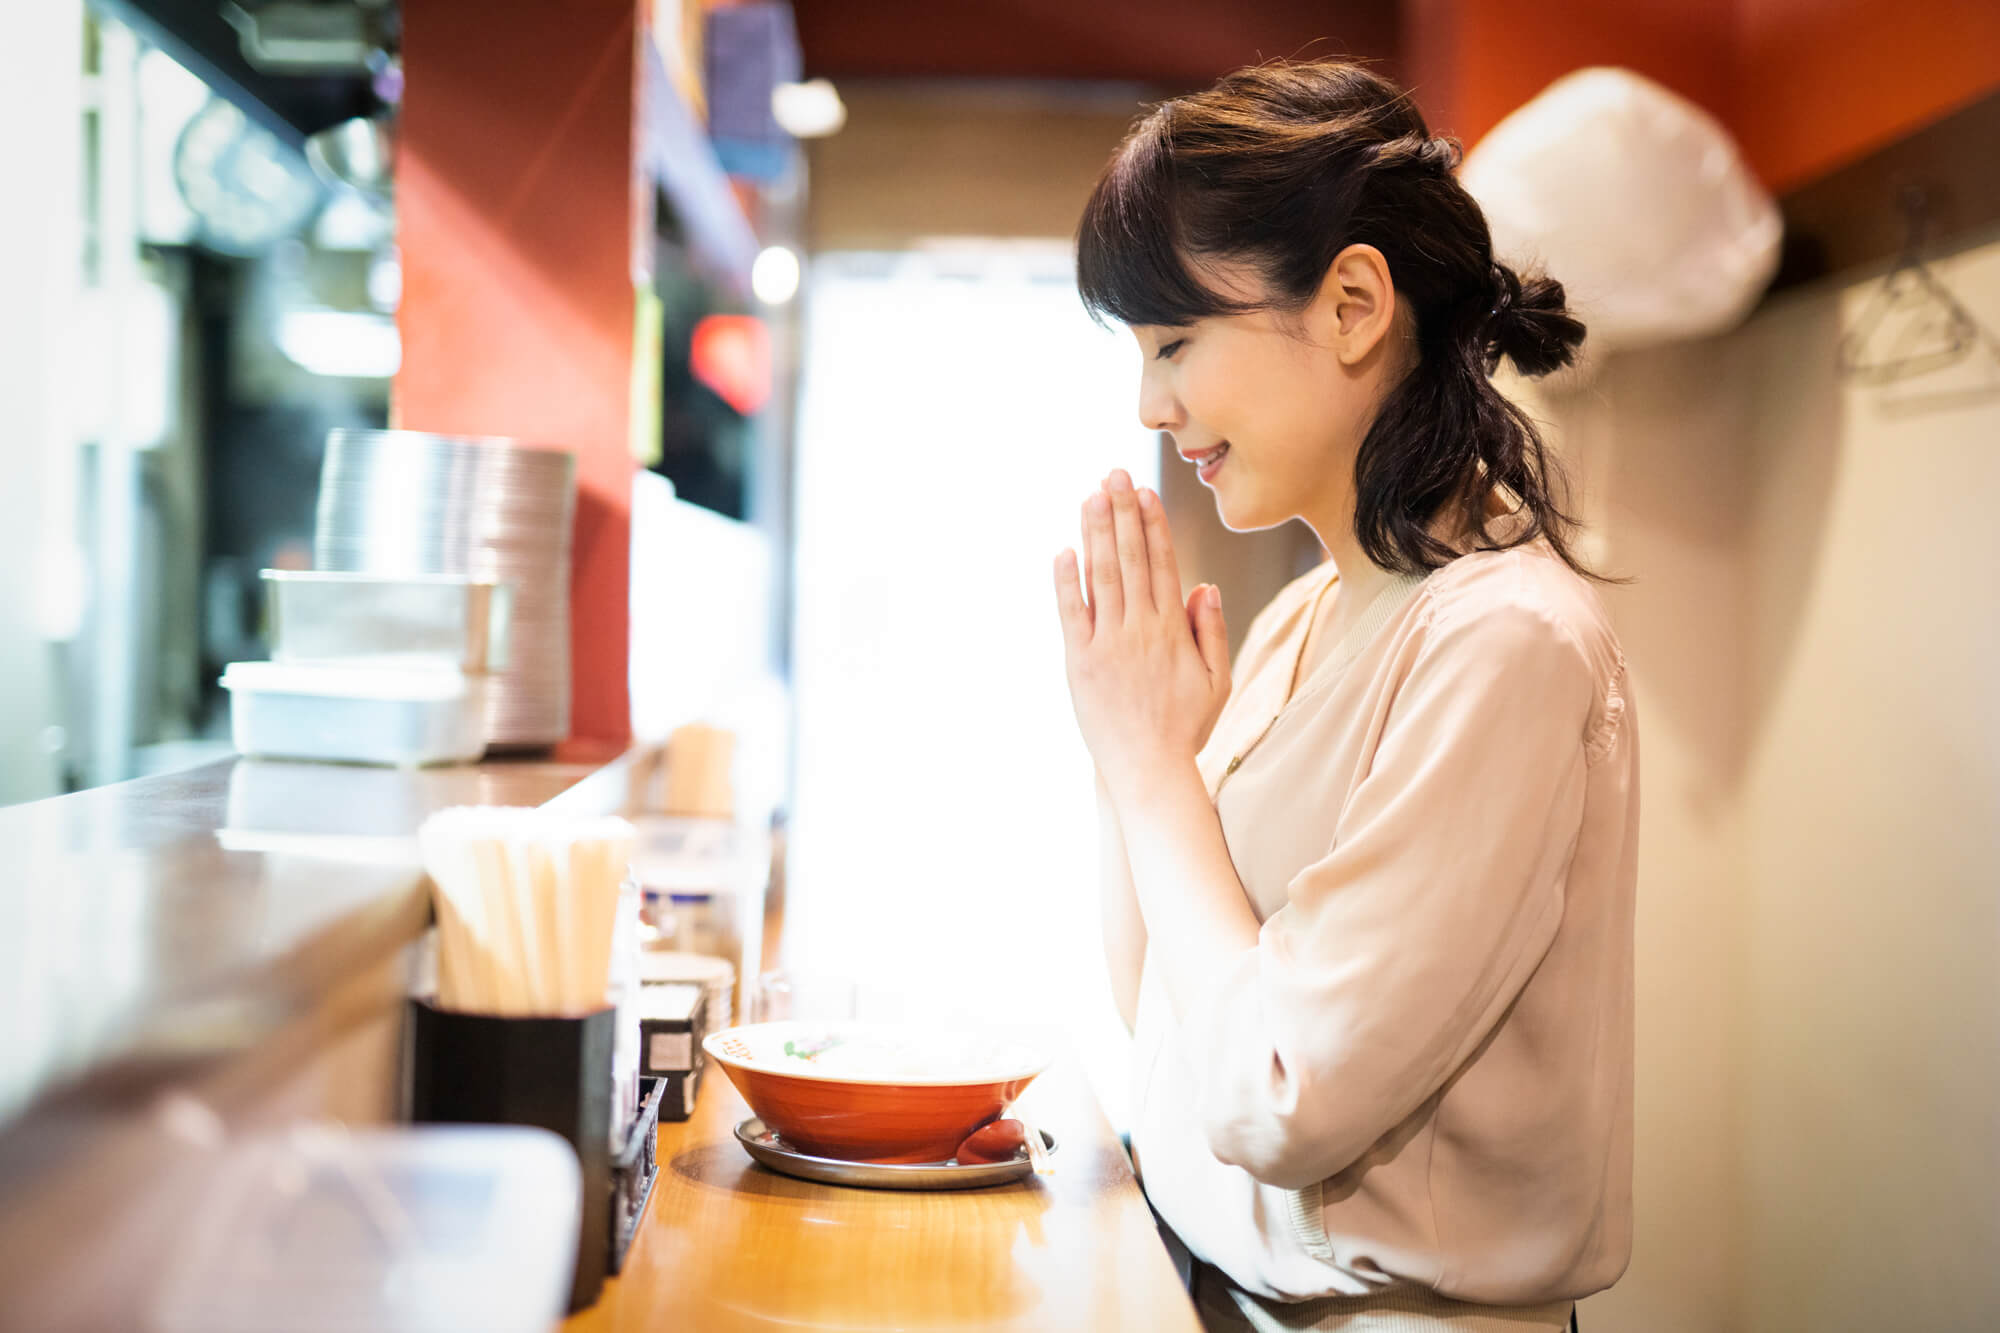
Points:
(729, 1047)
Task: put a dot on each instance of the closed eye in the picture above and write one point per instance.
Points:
(1167, 350)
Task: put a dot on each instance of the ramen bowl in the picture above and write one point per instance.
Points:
(874, 1092)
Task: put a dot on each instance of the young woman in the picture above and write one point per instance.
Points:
(1380, 875)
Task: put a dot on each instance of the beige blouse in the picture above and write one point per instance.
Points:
(1422, 1073)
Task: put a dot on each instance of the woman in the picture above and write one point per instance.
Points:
(1381, 876)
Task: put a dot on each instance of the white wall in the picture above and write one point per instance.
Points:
(1656, 447)
(1815, 637)
(1871, 807)
(41, 156)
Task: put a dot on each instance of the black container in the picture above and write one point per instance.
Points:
(552, 1073)
(673, 1019)
(633, 1171)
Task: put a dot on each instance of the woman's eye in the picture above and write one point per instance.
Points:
(1167, 350)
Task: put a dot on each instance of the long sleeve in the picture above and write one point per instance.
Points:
(1399, 951)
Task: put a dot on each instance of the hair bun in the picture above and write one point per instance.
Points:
(1530, 323)
(1420, 152)
(1441, 154)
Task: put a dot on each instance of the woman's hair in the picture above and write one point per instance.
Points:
(1283, 166)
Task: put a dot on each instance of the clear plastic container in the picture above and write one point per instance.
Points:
(415, 1230)
(405, 716)
(698, 875)
(678, 854)
(657, 926)
(700, 925)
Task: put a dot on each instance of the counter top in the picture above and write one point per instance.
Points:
(727, 1246)
(161, 922)
(197, 957)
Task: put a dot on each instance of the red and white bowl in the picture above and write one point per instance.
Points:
(875, 1092)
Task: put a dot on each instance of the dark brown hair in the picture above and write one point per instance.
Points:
(1284, 165)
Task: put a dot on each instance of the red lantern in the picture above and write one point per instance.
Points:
(731, 354)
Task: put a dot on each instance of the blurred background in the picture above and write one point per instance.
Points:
(793, 283)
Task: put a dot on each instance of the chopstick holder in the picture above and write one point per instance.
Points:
(551, 1073)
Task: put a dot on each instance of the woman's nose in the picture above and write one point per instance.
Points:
(1159, 407)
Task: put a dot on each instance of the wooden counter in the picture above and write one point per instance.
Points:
(727, 1245)
(172, 920)
(195, 957)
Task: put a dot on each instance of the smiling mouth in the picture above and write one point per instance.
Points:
(1212, 456)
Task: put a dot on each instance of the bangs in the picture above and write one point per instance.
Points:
(1130, 263)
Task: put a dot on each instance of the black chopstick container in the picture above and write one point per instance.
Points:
(553, 1073)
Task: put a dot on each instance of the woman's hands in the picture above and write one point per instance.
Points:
(1147, 674)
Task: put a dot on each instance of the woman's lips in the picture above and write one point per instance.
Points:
(1209, 463)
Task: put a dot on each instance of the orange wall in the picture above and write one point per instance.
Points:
(1821, 83)
(1805, 85)
(516, 192)
(1509, 52)
(1471, 62)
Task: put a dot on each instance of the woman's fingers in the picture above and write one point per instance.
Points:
(1129, 532)
(1211, 634)
(1107, 594)
(1070, 606)
(1164, 571)
(1089, 564)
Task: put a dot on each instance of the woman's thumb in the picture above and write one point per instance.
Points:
(1211, 635)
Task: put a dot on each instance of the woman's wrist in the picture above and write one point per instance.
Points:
(1163, 783)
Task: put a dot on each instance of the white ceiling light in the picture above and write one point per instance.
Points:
(809, 110)
(346, 344)
(775, 275)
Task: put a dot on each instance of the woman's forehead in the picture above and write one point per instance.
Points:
(1233, 279)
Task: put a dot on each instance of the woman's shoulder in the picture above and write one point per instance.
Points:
(1527, 599)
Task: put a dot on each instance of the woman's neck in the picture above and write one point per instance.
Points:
(1360, 578)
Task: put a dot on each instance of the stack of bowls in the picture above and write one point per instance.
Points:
(406, 502)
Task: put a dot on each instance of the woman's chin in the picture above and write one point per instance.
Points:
(1238, 516)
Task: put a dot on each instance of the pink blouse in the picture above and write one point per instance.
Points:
(1422, 1073)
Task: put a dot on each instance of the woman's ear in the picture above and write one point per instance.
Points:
(1356, 305)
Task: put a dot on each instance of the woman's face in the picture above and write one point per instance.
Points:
(1270, 408)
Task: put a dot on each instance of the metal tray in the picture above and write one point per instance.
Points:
(436, 619)
(772, 1151)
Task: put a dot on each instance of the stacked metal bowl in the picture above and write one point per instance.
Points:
(406, 502)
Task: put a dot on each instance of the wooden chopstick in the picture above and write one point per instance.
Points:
(527, 904)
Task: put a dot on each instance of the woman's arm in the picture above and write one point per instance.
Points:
(1191, 903)
(1118, 906)
(1149, 675)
